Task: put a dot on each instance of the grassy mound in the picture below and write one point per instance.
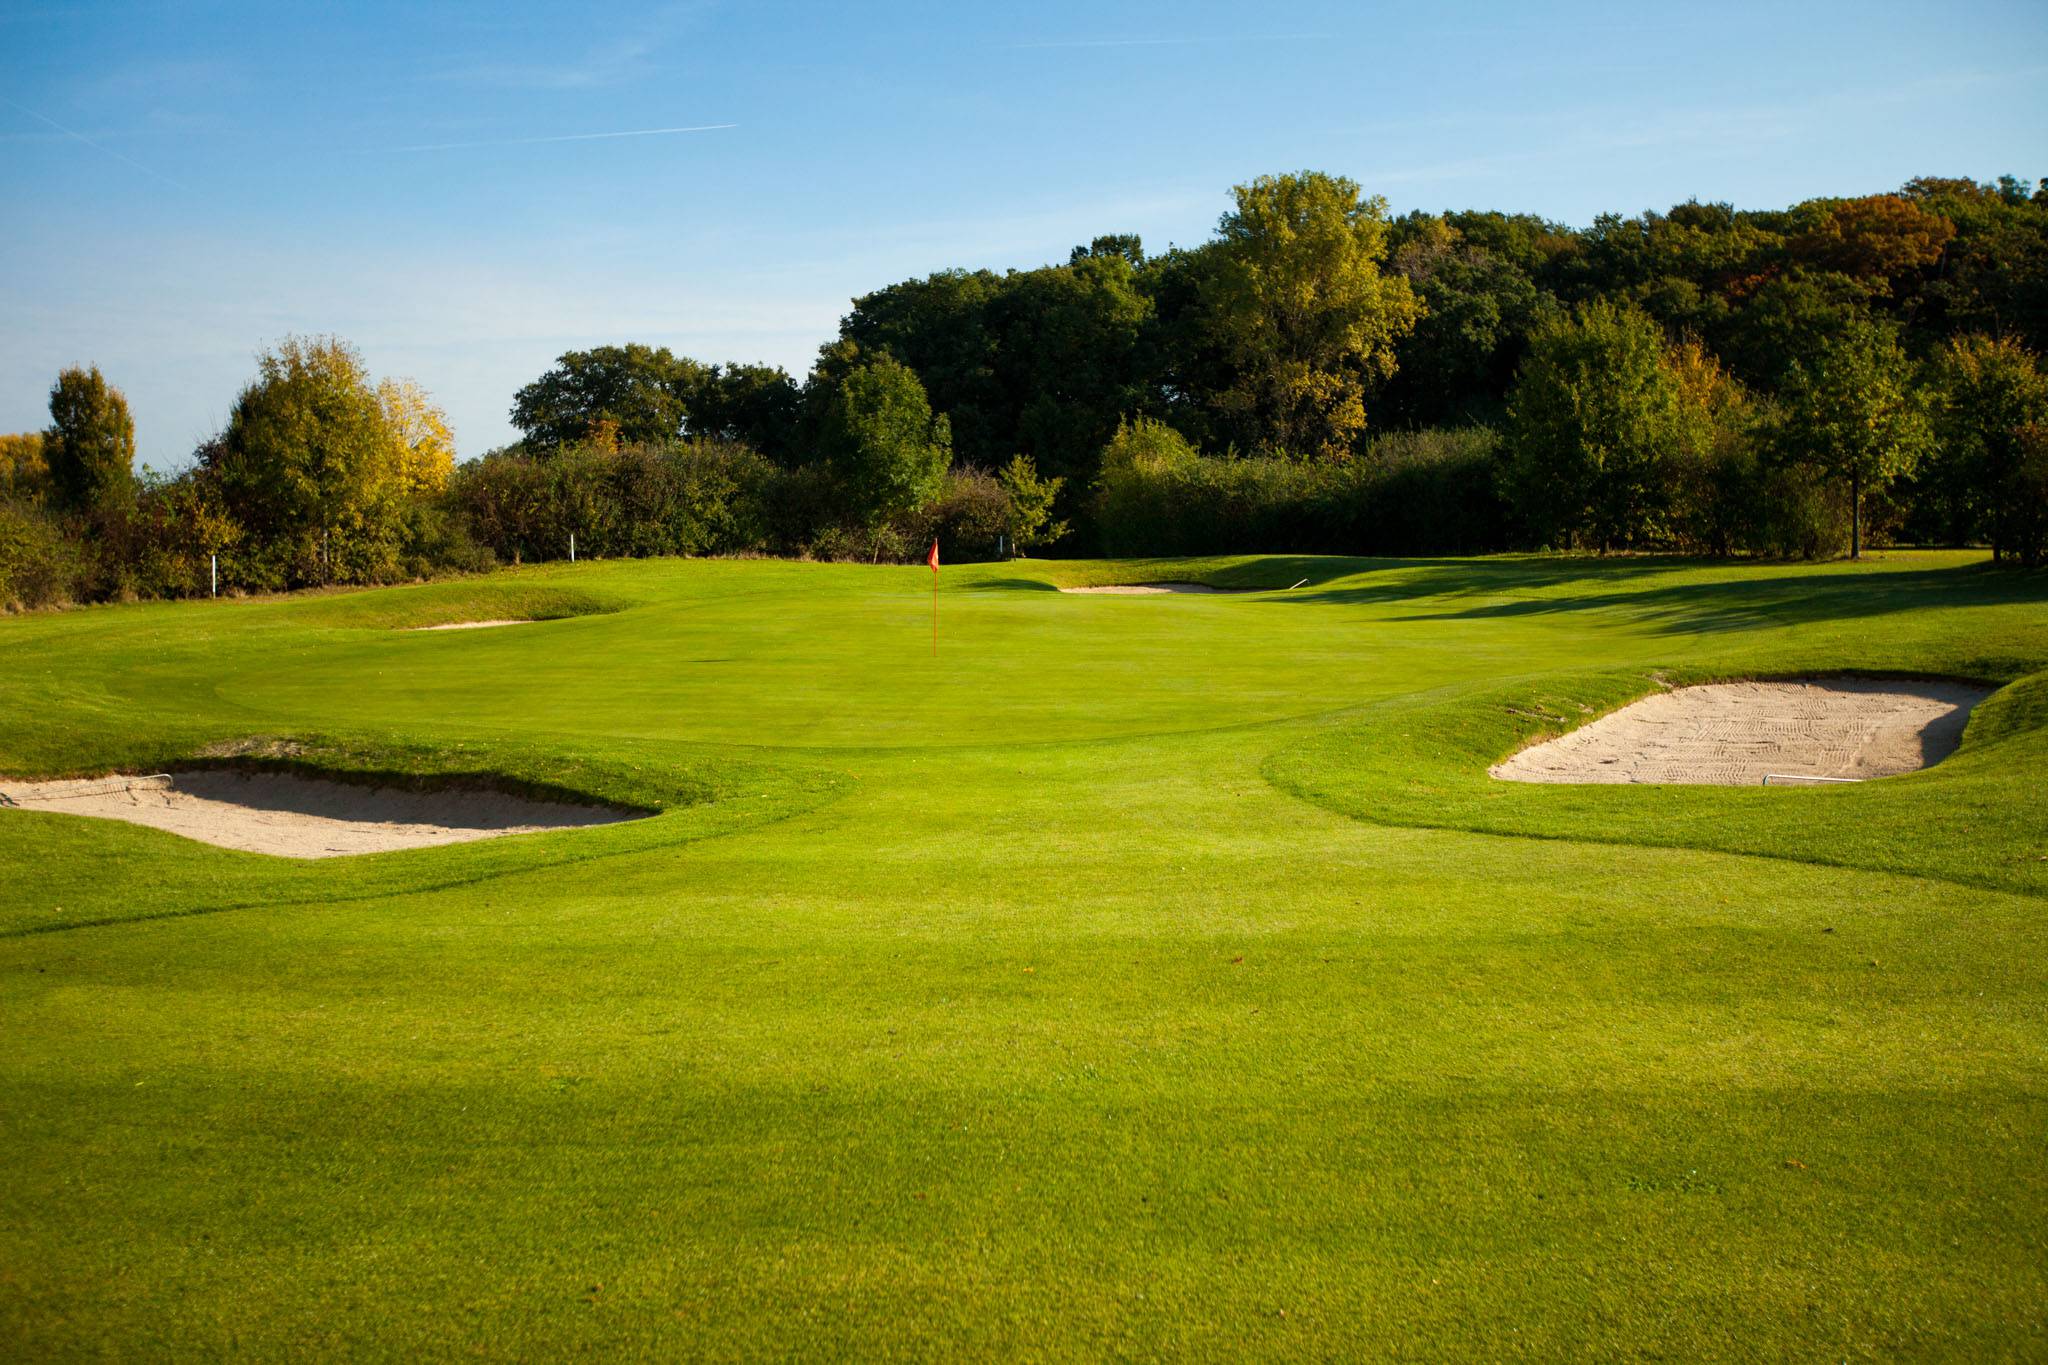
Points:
(1973, 818)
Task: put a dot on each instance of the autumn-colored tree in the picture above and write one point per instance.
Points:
(427, 454)
(1715, 470)
(1302, 318)
(1877, 238)
(23, 470)
(90, 444)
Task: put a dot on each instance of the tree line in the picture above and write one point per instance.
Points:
(1317, 376)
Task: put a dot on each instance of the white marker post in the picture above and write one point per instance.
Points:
(216, 574)
(572, 547)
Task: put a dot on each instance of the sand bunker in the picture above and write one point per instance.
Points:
(1737, 734)
(1151, 589)
(475, 625)
(304, 817)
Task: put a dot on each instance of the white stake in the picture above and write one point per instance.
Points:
(572, 547)
(216, 574)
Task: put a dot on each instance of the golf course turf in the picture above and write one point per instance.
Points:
(1140, 976)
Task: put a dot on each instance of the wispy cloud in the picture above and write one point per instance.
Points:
(561, 137)
(96, 146)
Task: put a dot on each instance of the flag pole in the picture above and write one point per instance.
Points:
(933, 560)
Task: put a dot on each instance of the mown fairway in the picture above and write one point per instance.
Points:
(1141, 976)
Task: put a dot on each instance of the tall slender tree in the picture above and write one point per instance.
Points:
(89, 447)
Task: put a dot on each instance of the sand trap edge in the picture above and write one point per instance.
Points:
(475, 625)
(1816, 730)
(303, 816)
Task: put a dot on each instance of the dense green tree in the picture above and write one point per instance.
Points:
(886, 447)
(2022, 511)
(756, 405)
(1848, 409)
(1993, 277)
(1040, 361)
(1070, 359)
(643, 391)
(1545, 251)
(1123, 246)
(312, 468)
(1985, 391)
(1478, 311)
(939, 327)
(1299, 314)
(1788, 312)
(89, 447)
(1594, 422)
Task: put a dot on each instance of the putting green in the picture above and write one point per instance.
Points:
(1137, 975)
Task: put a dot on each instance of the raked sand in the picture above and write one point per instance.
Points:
(1735, 734)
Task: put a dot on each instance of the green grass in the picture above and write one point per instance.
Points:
(1141, 976)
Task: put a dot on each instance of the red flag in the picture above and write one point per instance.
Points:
(933, 558)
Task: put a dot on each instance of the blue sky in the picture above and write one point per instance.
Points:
(186, 183)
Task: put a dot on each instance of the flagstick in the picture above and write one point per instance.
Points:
(933, 560)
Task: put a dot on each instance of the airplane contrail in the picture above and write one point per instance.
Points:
(1168, 42)
(563, 137)
(98, 147)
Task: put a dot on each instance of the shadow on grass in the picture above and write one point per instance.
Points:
(1689, 606)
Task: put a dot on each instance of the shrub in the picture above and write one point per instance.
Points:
(39, 567)
(1031, 500)
(1412, 493)
(970, 512)
(1802, 513)
(688, 498)
(178, 525)
(1430, 493)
